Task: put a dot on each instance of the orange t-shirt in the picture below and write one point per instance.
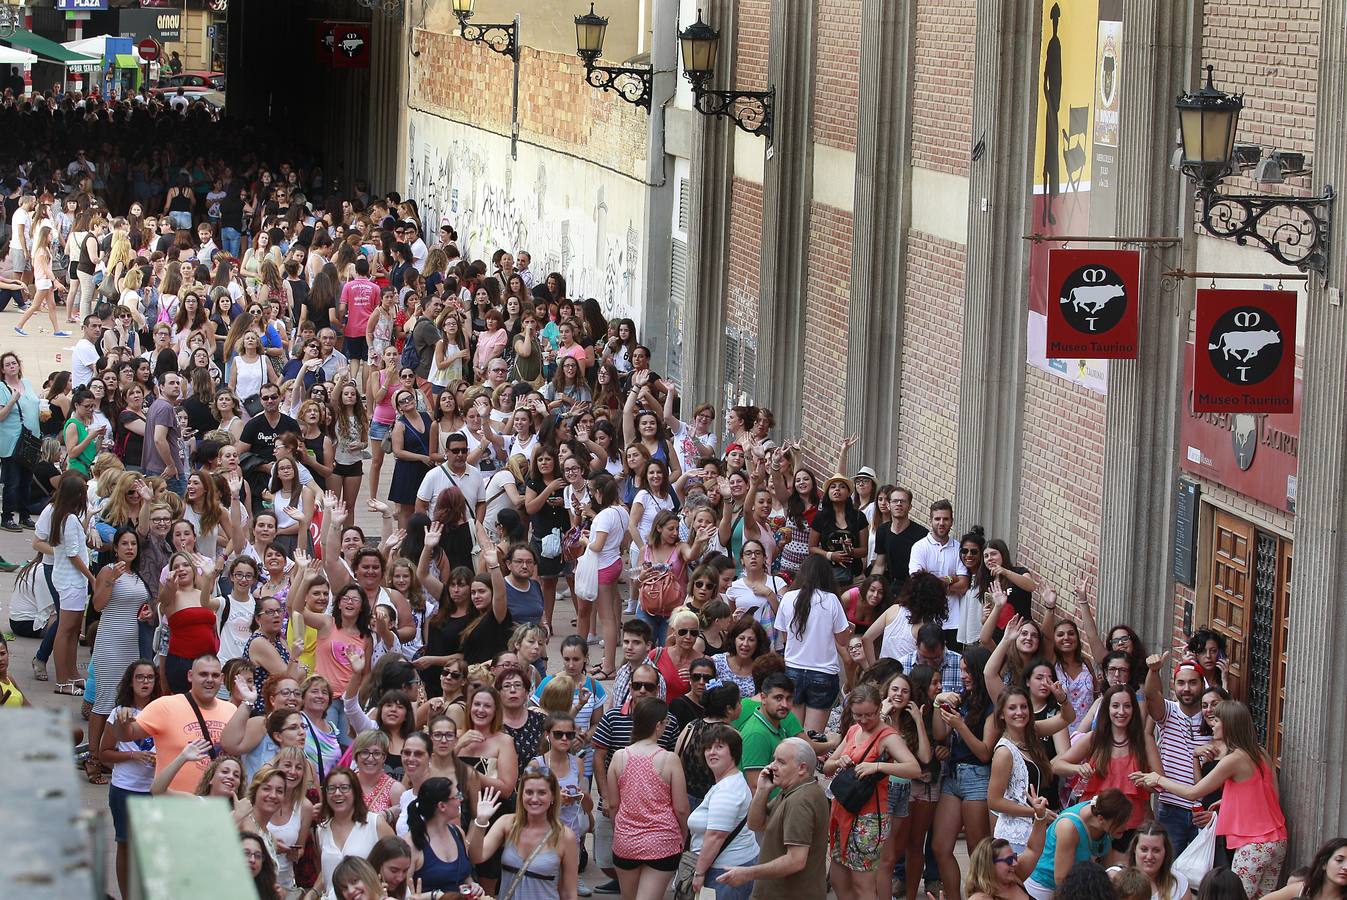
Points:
(173, 725)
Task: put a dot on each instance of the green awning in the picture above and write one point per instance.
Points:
(126, 61)
(47, 49)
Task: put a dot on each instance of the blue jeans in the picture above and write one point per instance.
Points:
(177, 484)
(230, 238)
(15, 479)
(1177, 823)
(49, 638)
(724, 891)
(182, 219)
(659, 625)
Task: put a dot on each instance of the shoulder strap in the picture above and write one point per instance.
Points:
(201, 721)
(729, 840)
(524, 869)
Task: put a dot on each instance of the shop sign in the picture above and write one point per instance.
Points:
(1246, 352)
(1092, 304)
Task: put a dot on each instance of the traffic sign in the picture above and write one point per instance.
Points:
(149, 49)
(210, 32)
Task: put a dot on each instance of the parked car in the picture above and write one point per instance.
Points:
(192, 83)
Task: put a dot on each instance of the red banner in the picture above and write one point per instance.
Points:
(1245, 358)
(1092, 304)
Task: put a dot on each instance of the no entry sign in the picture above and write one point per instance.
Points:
(1245, 359)
(1092, 304)
(149, 50)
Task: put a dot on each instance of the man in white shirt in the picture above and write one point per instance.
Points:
(419, 248)
(454, 472)
(20, 224)
(84, 359)
(938, 553)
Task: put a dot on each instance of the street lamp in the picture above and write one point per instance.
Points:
(631, 83)
(503, 38)
(750, 110)
(1208, 120)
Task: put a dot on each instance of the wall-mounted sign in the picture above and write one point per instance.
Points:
(1185, 532)
(1246, 352)
(160, 24)
(81, 5)
(1092, 304)
(344, 45)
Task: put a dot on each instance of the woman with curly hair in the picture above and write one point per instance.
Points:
(921, 600)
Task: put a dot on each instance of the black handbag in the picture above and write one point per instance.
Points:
(853, 791)
(28, 451)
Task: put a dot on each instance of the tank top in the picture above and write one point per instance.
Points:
(286, 833)
(436, 874)
(260, 674)
(1251, 811)
(1015, 829)
(85, 460)
(898, 641)
(384, 413)
(359, 842)
(330, 659)
(643, 828)
(1044, 873)
(191, 632)
(249, 376)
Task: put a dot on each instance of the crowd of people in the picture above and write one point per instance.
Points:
(775, 683)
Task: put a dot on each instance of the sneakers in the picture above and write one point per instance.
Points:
(582, 889)
(28, 523)
(7, 566)
(608, 887)
(10, 525)
(20, 332)
(53, 334)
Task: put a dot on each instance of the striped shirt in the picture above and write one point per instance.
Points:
(1177, 736)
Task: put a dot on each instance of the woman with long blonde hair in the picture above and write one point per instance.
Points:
(44, 285)
(533, 841)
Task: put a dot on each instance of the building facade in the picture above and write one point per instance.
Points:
(872, 269)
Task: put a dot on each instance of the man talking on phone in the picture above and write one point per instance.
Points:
(792, 828)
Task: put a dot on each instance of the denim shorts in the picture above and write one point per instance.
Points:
(815, 690)
(378, 430)
(900, 793)
(967, 781)
(117, 806)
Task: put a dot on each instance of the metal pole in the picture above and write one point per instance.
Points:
(514, 102)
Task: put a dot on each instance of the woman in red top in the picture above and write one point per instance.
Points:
(673, 661)
(191, 619)
(1117, 749)
(1251, 818)
(645, 782)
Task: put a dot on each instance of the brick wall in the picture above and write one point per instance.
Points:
(825, 344)
(942, 108)
(471, 84)
(751, 43)
(1061, 482)
(928, 430)
(837, 73)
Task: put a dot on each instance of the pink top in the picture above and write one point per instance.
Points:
(384, 413)
(643, 828)
(1250, 811)
(330, 659)
(360, 296)
(490, 344)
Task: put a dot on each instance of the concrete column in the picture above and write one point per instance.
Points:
(1144, 394)
(711, 171)
(662, 191)
(1314, 780)
(788, 189)
(882, 215)
(991, 386)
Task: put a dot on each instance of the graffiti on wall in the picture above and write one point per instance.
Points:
(554, 206)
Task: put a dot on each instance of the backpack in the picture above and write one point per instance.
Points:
(661, 593)
(410, 358)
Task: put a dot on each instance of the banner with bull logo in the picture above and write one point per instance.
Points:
(1092, 304)
(1245, 359)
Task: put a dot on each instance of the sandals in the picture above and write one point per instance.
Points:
(69, 688)
(93, 770)
(39, 670)
(603, 675)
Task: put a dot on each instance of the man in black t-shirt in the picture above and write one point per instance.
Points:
(259, 439)
(895, 539)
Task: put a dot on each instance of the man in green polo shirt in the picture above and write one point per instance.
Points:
(765, 728)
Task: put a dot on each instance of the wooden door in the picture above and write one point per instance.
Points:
(1231, 589)
(1280, 636)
